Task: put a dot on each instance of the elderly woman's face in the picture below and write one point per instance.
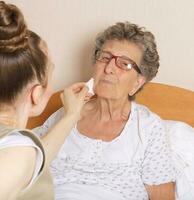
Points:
(112, 82)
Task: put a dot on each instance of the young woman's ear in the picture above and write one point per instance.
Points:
(36, 94)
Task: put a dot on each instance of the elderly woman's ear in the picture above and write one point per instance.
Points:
(138, 84)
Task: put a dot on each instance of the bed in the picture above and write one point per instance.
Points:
(170, 102)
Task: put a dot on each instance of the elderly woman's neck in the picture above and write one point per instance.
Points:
(113, 109)
(13, 116)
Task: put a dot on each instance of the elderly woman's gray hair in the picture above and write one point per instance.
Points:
(138, 35)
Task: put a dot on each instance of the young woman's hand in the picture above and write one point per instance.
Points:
(74, 97)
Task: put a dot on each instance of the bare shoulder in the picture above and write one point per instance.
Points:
(19, 153)
(16, 169)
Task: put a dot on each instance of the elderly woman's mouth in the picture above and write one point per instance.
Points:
(106, 81)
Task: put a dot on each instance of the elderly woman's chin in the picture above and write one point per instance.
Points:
(106, 93)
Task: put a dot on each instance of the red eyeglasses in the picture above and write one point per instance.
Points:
(121, 62)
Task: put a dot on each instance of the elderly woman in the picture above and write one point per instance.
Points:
(119, 149)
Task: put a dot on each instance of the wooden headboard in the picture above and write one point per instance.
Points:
(169, 102)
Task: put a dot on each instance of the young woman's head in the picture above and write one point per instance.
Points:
(25, 68)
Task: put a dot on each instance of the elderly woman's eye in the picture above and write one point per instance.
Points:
(105, 58)
(126, 65)
(129, 66)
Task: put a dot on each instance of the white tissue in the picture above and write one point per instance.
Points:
(90, 84)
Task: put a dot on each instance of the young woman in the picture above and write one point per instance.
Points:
(25, 87)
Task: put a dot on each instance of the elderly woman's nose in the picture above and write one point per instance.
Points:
(110, 66)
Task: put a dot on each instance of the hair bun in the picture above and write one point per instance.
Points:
(13, 30)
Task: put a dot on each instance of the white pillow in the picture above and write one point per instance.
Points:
(181, 137)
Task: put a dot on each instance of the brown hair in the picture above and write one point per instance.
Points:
(21, 57)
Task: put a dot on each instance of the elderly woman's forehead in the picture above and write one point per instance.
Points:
(123, 44)
(123, 47)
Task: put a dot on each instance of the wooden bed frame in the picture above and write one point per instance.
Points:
(169, 102)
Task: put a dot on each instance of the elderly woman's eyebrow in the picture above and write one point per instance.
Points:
(122, 56)
(126, 57)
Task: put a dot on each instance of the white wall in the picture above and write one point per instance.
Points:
(70, 26)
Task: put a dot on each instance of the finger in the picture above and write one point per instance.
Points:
(83, 93)
(91, 97)
(89, 94)
(77, 87)
(86, 99)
